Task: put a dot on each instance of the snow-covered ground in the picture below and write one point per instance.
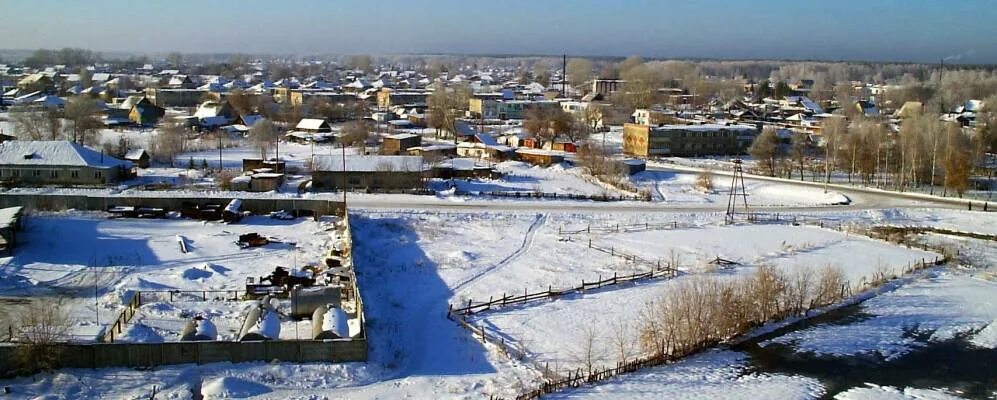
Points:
(71, 255)
(412, 263)
(712, 375)
(876, 392)
(522, 177)
(680, 187)
(945, 305)
(559, 332)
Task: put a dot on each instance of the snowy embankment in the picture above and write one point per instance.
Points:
(876, 392)
(719, 375)
(945, 306)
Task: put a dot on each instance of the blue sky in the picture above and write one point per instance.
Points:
(875, 30)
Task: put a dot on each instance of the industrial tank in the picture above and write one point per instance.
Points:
(330, 322)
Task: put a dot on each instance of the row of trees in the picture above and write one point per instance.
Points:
(704, 310)
(926, 151)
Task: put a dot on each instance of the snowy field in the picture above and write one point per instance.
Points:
(680, 188)
(560, 332)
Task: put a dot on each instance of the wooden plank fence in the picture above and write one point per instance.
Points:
(661, 272)
(552, 195)
(123, 318)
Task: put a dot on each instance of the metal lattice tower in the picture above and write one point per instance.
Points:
(736, 185)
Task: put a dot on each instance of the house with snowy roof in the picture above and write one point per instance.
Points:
(59, 162)
(367, 172)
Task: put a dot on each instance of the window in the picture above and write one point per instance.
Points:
(15, 173)
(53, 174)
(74, 173)
(96, 175)
(36, 172)
(354, 180)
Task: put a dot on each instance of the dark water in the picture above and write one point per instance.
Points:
(955, 364)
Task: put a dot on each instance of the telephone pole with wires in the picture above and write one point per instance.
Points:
(736, 190)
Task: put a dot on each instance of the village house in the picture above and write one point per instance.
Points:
(10, 223)
(213, 114)
(686, 140)
(58, 162)
(399, 143)
(505, 109)
(543, 158)
(313, 125)
(368, 172)
(141, 111)
(177, 97)
(606, 87)
(386, 97)
(139, 157)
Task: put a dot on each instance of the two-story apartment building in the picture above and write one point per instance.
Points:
(686, 140)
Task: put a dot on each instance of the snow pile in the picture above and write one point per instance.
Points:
(335, 321)
(232, 388)
(205, 328)
(876, 392)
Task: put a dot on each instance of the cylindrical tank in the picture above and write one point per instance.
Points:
(199, 329)
(330, 322)
(305, 300)
(262, 323)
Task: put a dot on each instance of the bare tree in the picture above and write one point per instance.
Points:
(82, 112)
(765, 149)
(169, 141)
(37, 124)
(40, 327)
(621, 338)
(832, 131)
(263, 134)
(355, 133)
(446, 104)
(958, 160)
(799, 146)
(580, 70)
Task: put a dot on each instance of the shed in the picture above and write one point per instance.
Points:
(265, 182)
(10, 223)
(139, 157)
(542, 158)
(400, 143)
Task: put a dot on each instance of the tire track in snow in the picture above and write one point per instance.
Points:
(523, 248)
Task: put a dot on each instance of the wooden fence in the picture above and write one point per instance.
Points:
(554, 382)
(660, 272)
(546, 195)
(123, 318)
(578, 378)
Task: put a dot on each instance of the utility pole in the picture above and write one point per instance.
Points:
(220, 165)
(733, 194)
(564, 74)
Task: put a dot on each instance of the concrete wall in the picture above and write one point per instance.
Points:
(132, 355)
(58, 202)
